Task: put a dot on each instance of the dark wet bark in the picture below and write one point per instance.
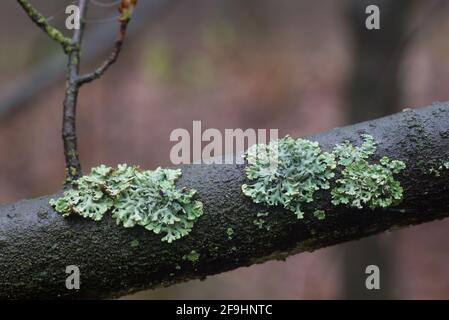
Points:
(36, 244)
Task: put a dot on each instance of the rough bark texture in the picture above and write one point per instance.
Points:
(36, 244)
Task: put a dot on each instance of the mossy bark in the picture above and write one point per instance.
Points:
(36, 243)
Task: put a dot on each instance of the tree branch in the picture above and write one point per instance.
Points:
(72, 48)
(43, 24)
(42, 76)
(112, 57)
(37, 244)
(73, 165)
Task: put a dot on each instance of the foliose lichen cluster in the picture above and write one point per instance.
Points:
(288, 172)
(363, 184)
(148, 198)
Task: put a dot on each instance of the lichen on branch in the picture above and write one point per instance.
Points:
(43, 24)
(364, 184)
(287, 172)
(147, 198)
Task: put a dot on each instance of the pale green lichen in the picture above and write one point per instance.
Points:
(42, 23)
(193, 256)
(135, 243)
(439, 169)
(230, 233)
(319, 214)
(363, 184)
(87, 198)
(346, 153)
(135, 197)
(259, 223)
(287, 172)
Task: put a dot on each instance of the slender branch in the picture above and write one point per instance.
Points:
(43, 24)
(42, 76)
(37, 244)
(72, 47)
(126, 9)
(74, 81)
(112, 57)
(73, 165)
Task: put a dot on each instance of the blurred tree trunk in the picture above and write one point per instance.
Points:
(374, 90)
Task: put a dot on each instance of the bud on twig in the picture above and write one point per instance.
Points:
(126, 9)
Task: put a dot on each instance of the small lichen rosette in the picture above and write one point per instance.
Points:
(154, 202)
(287, 172)
(135, 197)
(87, 198)
(363, 184)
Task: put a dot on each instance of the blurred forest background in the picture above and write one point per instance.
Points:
(301, 66)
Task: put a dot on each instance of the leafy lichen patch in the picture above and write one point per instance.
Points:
(259, 223)
(230, 233)
(147, 198)
(364, 184)
(347, 154)
(135, 243)
(193, 256)
(288, 172)
(88, 196)
(319, 214)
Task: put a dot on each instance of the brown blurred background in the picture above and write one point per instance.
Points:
(300, 66)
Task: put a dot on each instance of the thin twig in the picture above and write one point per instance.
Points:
(46, 73)
(72, 47)
(43, 24)
(123, 20)
(73, 165)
